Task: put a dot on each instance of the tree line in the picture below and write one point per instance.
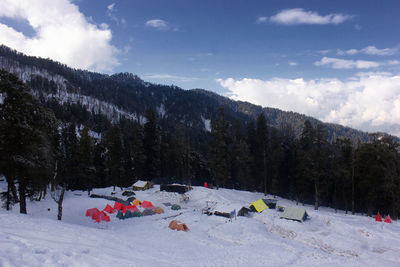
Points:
(47, 148)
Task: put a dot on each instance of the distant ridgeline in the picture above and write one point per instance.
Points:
(126, 95)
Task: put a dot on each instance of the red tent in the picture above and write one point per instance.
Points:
(118, 206)
(90, 212)
(388, 219)
(109, 209)
(100, 216)
(147, 205)
(378, 218)
(131, 208)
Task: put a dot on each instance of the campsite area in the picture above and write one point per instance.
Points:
(261, 239)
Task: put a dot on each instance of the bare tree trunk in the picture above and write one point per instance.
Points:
(22, 198)
(352, 192)
(8, 201)
(60, 202)
(316, 204)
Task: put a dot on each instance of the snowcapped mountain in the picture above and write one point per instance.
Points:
(126, 95)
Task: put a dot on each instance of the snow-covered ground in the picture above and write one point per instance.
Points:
(327, 239)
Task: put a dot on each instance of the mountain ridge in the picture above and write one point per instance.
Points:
(130, 96)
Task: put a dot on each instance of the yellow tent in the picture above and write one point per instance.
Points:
(136, 202)
(259, 205)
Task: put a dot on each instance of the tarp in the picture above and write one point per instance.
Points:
(259, 205)
(294, 213)
(90, 212)
(378, 218)
(109, 209)
(147, 212)
(147, 205)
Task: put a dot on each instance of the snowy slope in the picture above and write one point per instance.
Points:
(328, 239)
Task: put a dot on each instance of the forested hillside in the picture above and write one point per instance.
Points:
(79, 130)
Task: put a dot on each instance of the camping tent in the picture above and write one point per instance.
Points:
(271, 203)
(147, 205)
(109, 209)
(142, 185)
(90, 212)
(243, 211)
(259, 205)
(294, 213)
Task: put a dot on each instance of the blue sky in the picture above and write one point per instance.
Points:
(336, 60)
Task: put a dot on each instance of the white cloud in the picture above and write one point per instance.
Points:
(111, 14)
(368, 101)
(111, 6)
(372, 50)
(291, 63)
(369, 50)
(62, 33)
(158, 24)
(262, 19)
(171, 78)
(300, 16)
(337, 63)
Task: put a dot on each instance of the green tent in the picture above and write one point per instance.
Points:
(295, 213)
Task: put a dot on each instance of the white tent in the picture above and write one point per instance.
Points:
(295, 213)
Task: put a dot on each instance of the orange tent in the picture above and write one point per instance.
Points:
(109, 209)
(90, 212)
(136, 202)
(176, 225)
(378, 218)
(158, 210)
(388, 219)
(147, 205)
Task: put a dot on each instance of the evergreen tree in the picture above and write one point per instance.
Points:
(219, 149)
(113, 155)
(26, 129)
(151, 146)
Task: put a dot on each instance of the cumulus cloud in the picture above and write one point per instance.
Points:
(158, 24)
(368, 101)
(369, 50)
(300, 16)
(337, 63)
(62, 33)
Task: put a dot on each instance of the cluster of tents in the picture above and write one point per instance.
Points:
(290, 213)
(378, 218)
(134, 209)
